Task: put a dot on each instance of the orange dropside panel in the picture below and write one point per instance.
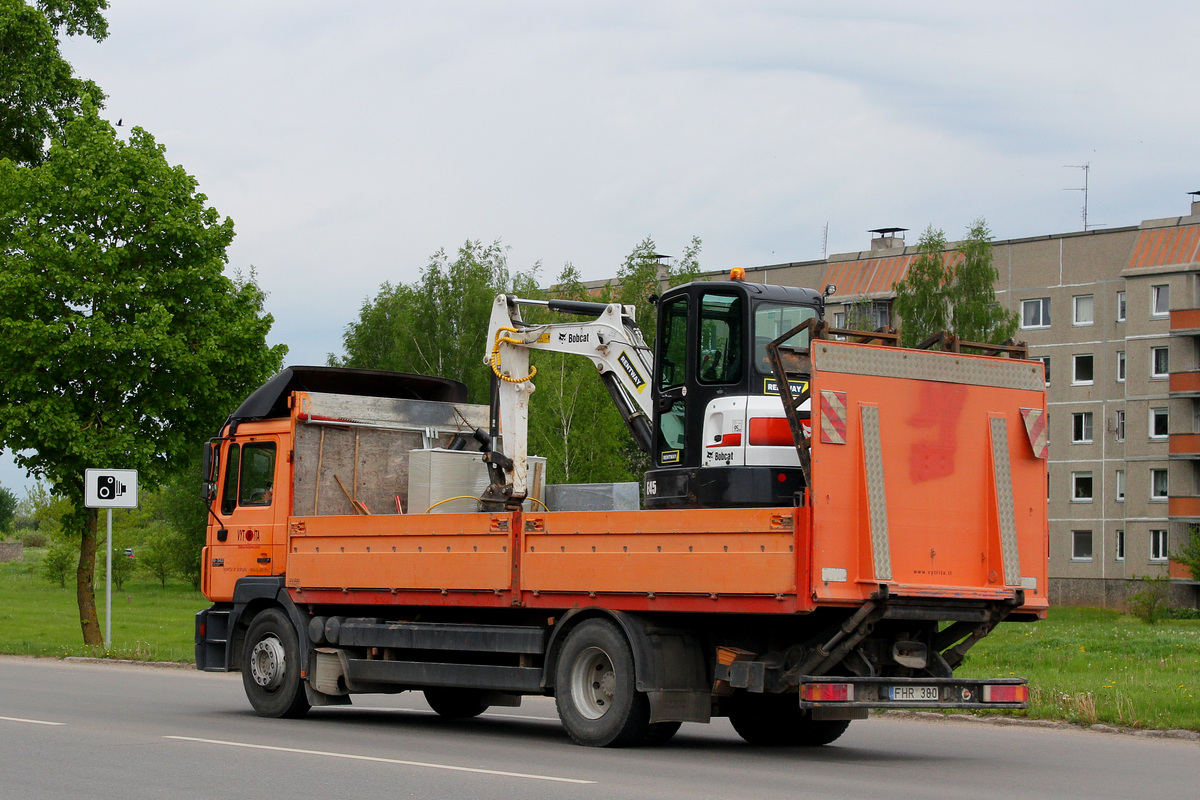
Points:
(910, 499)
(418, 551)
(685, 551)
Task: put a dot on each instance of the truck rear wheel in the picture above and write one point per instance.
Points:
(456, 703)
(778, 720)
(594, 689)
(271, 666)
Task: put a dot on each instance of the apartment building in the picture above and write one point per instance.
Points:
(1115, 316)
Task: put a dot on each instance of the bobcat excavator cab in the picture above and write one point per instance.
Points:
(706, 405)
(721, 438)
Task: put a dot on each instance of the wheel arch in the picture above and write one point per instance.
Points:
(252, 596)
(669, 663)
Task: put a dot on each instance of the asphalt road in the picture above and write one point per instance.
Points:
(84, 730)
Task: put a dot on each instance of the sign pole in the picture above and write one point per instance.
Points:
(108, 591)
(109, 488)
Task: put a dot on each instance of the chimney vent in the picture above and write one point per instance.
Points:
(888, 239)
(1195, 203)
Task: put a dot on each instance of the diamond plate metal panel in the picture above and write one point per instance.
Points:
(895, 362)
(876, 496)
(1002, 474)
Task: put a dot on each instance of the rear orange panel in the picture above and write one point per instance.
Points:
(925, 476)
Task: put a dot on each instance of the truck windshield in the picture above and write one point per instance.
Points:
(772, 320)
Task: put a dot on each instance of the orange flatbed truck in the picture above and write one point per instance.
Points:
(920, 526)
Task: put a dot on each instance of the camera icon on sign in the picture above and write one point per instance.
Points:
(109, 488)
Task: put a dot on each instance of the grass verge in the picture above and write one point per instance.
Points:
(1084, 665)
(149, 623)
(1090, 666)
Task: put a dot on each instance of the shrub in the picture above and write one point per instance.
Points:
(34, 539)
(1150, 604)
(59, 563)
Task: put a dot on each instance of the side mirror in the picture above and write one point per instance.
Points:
(208, 464)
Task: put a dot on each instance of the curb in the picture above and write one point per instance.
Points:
(934, 716)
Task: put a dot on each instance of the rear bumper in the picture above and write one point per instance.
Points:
(909, 693)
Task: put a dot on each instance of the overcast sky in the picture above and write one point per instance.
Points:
(350, 141)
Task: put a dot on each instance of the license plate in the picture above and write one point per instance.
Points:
(913, 694)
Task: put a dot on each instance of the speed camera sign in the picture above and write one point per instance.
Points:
(110, 488)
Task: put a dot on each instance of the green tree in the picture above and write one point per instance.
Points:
(953, 290)
(921, 302)
(125, 343)
(975, 314)
(438, 324)
(1188, 552)
(158, 556)
(572, 420)
(8, 510)
(39, 91)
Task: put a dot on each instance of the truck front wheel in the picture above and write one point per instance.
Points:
(271, 666)
(594, 689)
(774, 720)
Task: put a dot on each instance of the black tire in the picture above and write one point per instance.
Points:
(775, 720)
(594, 688)
(456, 703)
(271, 665)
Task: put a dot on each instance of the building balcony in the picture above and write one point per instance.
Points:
(1184, 383)
(1184, 509)
(1184, 446)
(1185, 322)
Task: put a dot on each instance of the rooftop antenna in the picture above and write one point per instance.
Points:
(1086, 169)
(825, 242)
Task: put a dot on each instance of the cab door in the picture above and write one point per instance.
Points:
(252, 538)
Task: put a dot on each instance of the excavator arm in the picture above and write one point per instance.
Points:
(612, 341)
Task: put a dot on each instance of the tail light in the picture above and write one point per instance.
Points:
(827, 692)
(1005, 694)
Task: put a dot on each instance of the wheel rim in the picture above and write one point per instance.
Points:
(593, 683)
(267, 663)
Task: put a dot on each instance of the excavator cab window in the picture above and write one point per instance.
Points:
(672, 374)
(772, 320)
(720, 339)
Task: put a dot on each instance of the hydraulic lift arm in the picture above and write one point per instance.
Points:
(612, 341)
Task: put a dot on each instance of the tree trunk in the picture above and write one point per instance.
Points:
(85, 583)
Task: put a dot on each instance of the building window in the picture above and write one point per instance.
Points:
(1120, 545)
(1159, 357)
(1081, 427)
(1081, 545)
(1120, 306)
(1035, 313)
(1120, 426)
(1160, 300)
(1158, 545)
(1158, 484)
(1046, 364)
(1120, 366)
(1081, 487)
(1083, 369)
(1120, 482)
(1084, 305)
(1158, 423)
